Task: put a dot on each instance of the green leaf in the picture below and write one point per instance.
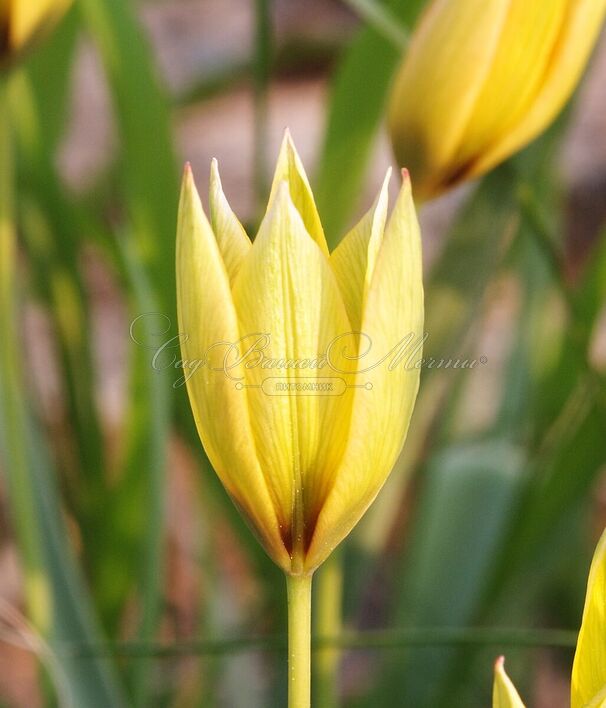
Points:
(50, 71)
(58, 603)
(151, 191)
(139, 508)
(356, 109)
(462, 512)
(90, 681)
(148, 161)
(52, 225)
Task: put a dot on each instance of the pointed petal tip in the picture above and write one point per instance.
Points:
(287, 141)
(387, 178)
(215, 177)
(188, 181)
(406, 187)
(499, 663)
(289, 167)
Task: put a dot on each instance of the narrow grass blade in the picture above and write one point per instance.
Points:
(359, 89)
(58, 603)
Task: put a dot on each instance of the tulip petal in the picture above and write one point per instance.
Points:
(598, 701)
(206, 317)
(232, 239)
(435, 92)
(589, 668)
(504, 693)
(384, 399)
(579, 31)
(353, 260)
(287, 290)
(289, 168)
(524, 52)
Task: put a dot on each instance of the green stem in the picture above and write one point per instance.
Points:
(299, 640)
(329, 591)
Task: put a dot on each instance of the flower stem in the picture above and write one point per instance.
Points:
(299, 640)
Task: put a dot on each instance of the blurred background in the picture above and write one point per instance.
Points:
(126, 576)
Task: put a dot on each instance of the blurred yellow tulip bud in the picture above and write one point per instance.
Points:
(481, 79)
(23, 21)
(298, 411)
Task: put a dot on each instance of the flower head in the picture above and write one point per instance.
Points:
(483, 79)
(299, 416)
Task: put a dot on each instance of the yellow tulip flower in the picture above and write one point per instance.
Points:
(483, 79)
(301, 468)
(589, 667)
(302, 367)
(22, 21)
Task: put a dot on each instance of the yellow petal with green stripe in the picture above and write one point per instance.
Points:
(287, 293)
(207, 316)
(438, 85)
(387, 378)
(580, 27)
(232, 239)
(289, 169)
(523, 57)
(353, 260)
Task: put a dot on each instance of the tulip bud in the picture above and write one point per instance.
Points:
(504, 693)
(588, 682)
(483, 79)
(23, 21)
(301, 418)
